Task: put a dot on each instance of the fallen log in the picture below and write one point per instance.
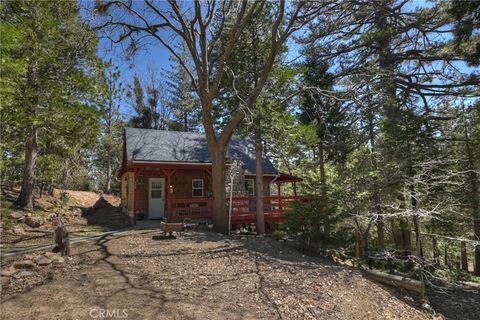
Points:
(397, 281)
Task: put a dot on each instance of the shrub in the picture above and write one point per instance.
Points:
(314, 221)
(279, 234)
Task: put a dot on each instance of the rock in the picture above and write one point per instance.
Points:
(76, 211)
(34, 222)
(50, 255)
(59, 260)
(16, 215)
(54, 257)
(18, 230)
(42, 260)
(23, 274)
(23, 264)
(4, 281)
(426, 306)
(8, 272)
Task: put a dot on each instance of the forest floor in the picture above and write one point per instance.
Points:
(201, 275)
(17, 234)
(141, 274)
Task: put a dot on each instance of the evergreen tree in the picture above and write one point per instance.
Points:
(107, 153)
(186, 110)
(55, 91)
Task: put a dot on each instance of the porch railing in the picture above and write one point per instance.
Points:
(189, 208)
(243, 208)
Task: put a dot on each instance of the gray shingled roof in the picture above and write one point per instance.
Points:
(175, 146)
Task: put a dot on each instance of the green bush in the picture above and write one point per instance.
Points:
(279, 234)
(457, 275)
(315, 221)
(82, 183)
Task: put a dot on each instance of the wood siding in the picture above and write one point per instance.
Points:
(181, 183)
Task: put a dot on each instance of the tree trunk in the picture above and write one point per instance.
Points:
(376, 193)
(185, 121)
(25, 199)
(218, 187)
(108, 186)
(474, 198)
(463, 252)
(259, 182)
(417, 227)
(323, 190)
(380, 222)
(323, 175)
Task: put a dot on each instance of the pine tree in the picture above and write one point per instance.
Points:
(185, 105)
(59, 54)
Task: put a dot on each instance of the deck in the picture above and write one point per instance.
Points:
(243, 208)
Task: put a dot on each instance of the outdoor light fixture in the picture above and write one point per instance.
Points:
(171, 189)
(139, 180)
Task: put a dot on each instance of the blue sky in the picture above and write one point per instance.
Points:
(153, 55)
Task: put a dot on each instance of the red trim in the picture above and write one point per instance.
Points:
(284, 177)
(134, 197)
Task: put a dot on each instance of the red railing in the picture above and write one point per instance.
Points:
(189, 208)
(243, 208)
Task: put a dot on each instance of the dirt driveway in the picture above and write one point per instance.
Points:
(200, 276)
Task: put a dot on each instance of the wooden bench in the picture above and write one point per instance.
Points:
(170, 228)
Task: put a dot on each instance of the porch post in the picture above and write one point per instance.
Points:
(168, 180)
(167, 195)
(134, 197)
(279, 194)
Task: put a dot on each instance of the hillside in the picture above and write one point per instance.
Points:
(73, 207)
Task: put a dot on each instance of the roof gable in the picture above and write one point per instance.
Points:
(175, 146)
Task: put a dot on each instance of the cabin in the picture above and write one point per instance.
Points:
(167, 175)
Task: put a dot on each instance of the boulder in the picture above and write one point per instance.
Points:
(23, 274)
(59, 259)
(42, 260)
(18, 230)
(24, 264)
(49, 254)
(4, 281)
(76, 211)
(16, 215)
(34, 222)
(54, 257)
(8, 272)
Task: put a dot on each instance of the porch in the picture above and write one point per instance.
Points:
(179, 192)
(244, 209)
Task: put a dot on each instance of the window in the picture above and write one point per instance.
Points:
(250, 186)
(197, 187)
(156, 190)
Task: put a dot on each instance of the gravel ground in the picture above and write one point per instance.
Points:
(201, 275)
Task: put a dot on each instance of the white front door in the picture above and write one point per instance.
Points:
(156, 198)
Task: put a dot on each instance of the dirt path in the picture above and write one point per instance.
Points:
(200, 276)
